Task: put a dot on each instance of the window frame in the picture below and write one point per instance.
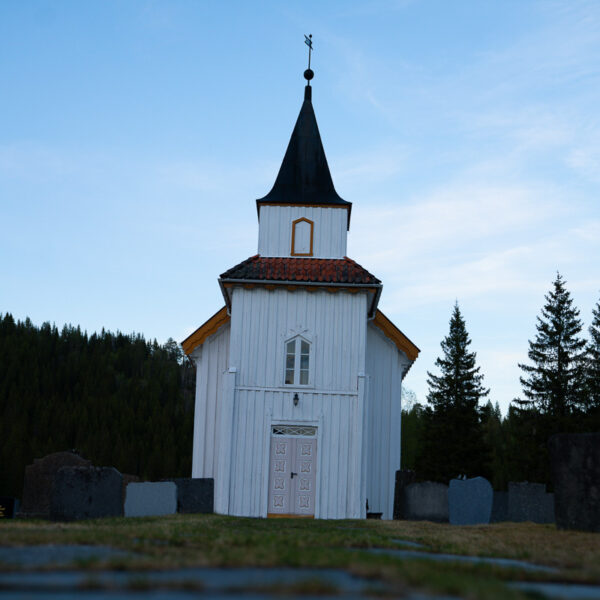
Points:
(298, 340)
(312, 229)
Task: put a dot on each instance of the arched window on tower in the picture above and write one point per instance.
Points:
(302, 237)
(297, 361)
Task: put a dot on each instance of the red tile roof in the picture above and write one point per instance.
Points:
(322, 270)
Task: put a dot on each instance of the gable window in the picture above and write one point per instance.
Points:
(297, 362)
(302, 237)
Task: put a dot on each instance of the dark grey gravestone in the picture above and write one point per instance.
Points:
(86, 493)
(426, 501)
(528, 502)
(151, 499)
(403, 478)
(39, 481)
(470, 501)
(9, 507)
(499, 507)
(195, 495)
(575, 464)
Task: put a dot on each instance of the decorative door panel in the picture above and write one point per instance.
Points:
(280, 475)
(292, 474)
(305, 463)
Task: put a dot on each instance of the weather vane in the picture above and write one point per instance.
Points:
(308, 74)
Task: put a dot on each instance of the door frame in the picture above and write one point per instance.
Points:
(269, 423)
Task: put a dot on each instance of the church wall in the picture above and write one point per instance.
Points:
(329, 232)
(336, 326)
(384, 365)
(211, 362)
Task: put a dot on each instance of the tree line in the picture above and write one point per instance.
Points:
(458, 433)
(118, 399)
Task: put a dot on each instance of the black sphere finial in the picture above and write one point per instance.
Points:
(309, 74)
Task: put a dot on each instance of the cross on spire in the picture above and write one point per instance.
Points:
(308, 74)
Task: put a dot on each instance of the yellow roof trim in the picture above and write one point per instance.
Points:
(207, 329)
(394, 334)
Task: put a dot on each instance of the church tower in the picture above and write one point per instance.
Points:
(299, 375)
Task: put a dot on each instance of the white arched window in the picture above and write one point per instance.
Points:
(297, 361)
(302, 237)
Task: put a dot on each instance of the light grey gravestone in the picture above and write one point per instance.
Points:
(39, 481)
(86, 493)
(151, 499)
(470, 501)
(499, 507)
(426, 501)
(529, 502)
(195, 495)
(575, 463)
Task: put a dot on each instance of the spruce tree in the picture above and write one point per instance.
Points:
(593, 367)
(453, 441)
(555, 382)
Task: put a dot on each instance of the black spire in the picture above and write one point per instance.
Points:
(304, 176)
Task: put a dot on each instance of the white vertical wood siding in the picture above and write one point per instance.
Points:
(329, 235)
(336, 326)
(211, 362)
(384, 364)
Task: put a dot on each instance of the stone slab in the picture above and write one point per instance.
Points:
(575, 465)
(195, 495)
(9, 507)
(86, 493)
(470, 501)
(499, 507)
(151, 499)
(404, 477)
(529, 502)
(425, 501)
(39, 481)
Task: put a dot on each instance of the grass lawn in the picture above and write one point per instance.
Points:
(212, 540)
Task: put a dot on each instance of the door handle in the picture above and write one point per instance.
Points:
(292, 475)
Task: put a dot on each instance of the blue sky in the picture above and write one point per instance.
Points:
(135, 137)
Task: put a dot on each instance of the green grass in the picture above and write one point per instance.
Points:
(212, 540)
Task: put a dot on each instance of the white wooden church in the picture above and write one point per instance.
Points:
(299, 375)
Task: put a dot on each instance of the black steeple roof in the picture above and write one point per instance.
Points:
(304, 177)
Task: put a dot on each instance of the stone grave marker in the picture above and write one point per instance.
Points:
(426, 501)
(529, 502)
(195, 495)
(39, 480)
(499, 507)
(86, 493)
(575, 464)
(470, 501)
(403, 478)
(151, 499)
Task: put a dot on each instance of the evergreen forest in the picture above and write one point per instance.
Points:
(119, 400)
(460, 432)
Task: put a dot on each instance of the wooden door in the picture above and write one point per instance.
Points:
(292, 476)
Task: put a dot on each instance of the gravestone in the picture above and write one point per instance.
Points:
(9, 507)
(127, 479)
(575, 465)
(39, 481)
(499, 508)
(86, 493)
(403, 478)
(470, 501)
(426, 501)
(151, 499)
(529, 502)
(194, 495)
